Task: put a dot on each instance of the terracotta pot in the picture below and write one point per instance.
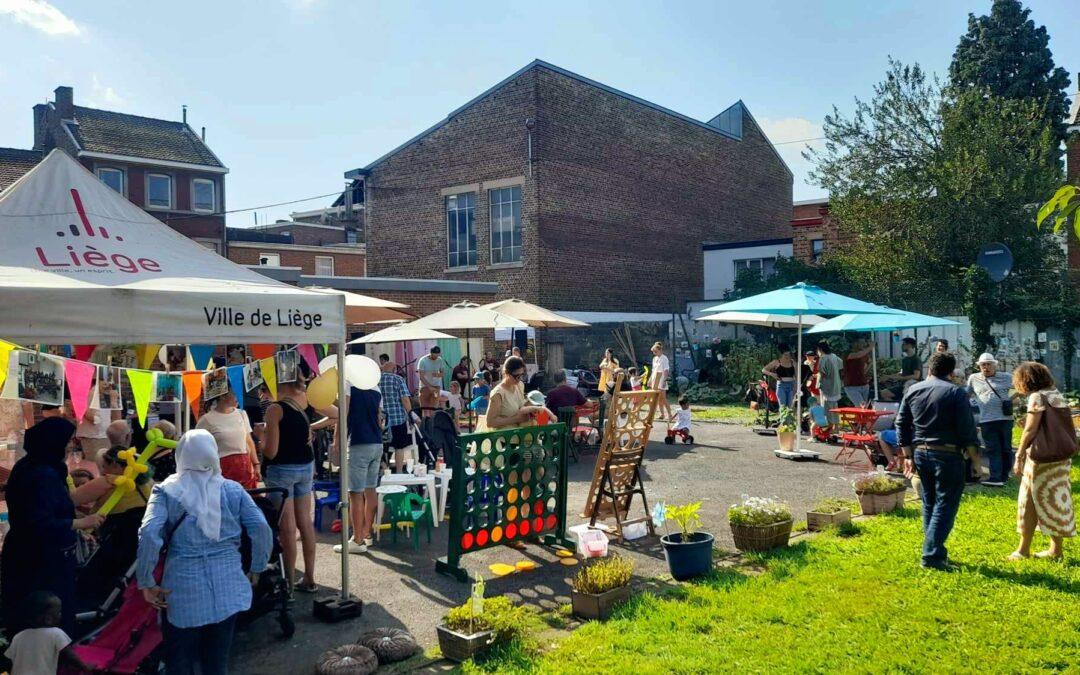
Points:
(460, 647)
(816, 522)
(598, 606)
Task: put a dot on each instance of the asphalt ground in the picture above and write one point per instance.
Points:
(400, 588)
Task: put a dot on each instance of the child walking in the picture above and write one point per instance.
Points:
(40, 648)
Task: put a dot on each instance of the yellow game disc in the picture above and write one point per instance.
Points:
(512, 495)
(501, 569)
(525, 565)
(496, 533)
(569, 562)
(512, 513)
(563, 553)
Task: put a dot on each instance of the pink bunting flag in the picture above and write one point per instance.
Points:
(79, 376)
(84, 352)
(307, 352)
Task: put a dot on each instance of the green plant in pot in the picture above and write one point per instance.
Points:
(828, 513)
(688, 551)
(879, 492)
(472, 628)
(760, 523)
(601, 585)
(785, 429)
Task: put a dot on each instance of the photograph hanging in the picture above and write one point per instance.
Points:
(287, 363)
(167, 388)
(106, 394)
(40, 378)
(215, 384)
(235, 355)
(252, 376)
(176, 358)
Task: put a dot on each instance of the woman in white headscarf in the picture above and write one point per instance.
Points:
(198, 516)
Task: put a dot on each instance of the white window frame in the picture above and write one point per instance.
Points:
(324, 259)
(123, 176)
(815, 255)
(491, 227)
(213, 195)
(172, 197)
(270, 256)
(446, 212)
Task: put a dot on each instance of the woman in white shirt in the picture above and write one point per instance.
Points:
(231, 429)
(661, 370)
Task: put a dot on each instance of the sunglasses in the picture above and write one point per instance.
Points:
(518, 375)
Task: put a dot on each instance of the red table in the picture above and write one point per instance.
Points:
(861, 436)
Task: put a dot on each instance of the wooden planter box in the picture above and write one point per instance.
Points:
(872, 504)
(459, 647)
(598, 606)
(816, 522)
(752, 538)
(786, 440)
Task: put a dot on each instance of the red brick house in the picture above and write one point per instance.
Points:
(315, 250)
(813, 231)
(572, 194)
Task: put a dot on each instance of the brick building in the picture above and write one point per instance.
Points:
(326, 251)
(161, 166)
(573, 195)
(813, 231)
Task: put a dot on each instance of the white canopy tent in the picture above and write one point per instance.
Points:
(80, 264)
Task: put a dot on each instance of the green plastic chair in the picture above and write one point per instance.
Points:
(411, 508)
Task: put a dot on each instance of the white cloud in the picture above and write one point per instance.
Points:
(39, 15)
(807, 134)
(101, 94)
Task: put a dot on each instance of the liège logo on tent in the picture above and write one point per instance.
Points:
(91, 254)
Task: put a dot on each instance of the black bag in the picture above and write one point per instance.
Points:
(1006, 403)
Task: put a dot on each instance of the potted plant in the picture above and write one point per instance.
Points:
(879, 492)
(598, 587)
(785, 429)
(760, 523)
(828, 513)
(688, 551)
(481, 622)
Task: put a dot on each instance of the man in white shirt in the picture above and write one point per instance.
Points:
(661, 371)
(990, 388)
(430, 371)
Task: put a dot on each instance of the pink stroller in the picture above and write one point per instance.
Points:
(128, 643)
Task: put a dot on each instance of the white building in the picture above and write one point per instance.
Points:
(724, 261)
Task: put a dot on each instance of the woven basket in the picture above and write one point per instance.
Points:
(761, 538)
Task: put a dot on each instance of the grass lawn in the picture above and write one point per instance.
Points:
(857, 603)
(733, 413)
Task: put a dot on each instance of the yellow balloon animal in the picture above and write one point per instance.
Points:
(136, 465)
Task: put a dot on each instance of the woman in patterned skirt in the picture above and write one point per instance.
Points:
(1045, 498)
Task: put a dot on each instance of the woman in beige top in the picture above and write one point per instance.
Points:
(506, 406)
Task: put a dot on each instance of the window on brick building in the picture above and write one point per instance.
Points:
(505, 224)
(114, 178)
(159, 190)
(270, 259)
(461, 230)
(202, 195)
(817, 247)
(324, 265)
(763, 266)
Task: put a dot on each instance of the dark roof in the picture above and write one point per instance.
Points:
(247, 234)
(122, 134)
(14, 163)
(720, 246)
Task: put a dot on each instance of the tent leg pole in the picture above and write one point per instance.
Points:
(343, 469)
(798, 391)
(468, 356)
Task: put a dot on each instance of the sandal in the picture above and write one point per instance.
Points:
(306, 588)
(1017, 556)
(1047, 555)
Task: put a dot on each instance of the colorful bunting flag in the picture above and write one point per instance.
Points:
(261, 352)
(144, 355)
(79, 376)
(201, 355)
(84, 352)
(307, 352)
(5, 354)
(269, 373)
(142, 384)
(236, 381)
(192, 389)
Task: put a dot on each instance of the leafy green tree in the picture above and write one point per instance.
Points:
(1005, 54)
(1063, 206)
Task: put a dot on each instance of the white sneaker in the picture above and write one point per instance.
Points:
(368, 541)
(354, 548)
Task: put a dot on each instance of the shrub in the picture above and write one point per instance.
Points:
(786, 420)
(604, 575)
(831, 505)
(744, 361)
(877, 484)
(758, 512)
(686, 516)
(500, 615)
(705, 395)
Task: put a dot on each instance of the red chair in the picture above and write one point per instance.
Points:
(852, 443)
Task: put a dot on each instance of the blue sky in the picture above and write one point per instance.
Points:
(295, 92)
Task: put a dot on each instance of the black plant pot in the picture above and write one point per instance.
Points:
(688, 558)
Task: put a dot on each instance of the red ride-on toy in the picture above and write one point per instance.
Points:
(684, 434)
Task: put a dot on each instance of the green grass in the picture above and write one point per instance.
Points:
(852, 601)
(733, 413)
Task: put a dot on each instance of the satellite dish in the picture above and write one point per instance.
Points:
(997, 260)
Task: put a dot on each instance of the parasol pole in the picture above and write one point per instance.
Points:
(798, 391)
(343, 448)
(873, 361)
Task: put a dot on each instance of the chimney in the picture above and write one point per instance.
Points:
(183, 113)
(65, 102)
(204, 134)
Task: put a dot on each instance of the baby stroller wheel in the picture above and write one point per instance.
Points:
(288, 626)
(688, 440)
(669, 440)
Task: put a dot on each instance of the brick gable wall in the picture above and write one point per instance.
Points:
(345, 264)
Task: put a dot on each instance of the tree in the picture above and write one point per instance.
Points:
(1063, 207)
(1005, 54)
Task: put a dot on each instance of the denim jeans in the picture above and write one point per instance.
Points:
(208, 646)
(942, 476)
(785, 392)
(997, 444)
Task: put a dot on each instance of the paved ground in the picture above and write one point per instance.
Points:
(399, 586)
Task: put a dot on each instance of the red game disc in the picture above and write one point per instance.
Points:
(524, 527)
(538, 524)
(481, 537)
(552, 521)
(467, 541)
(511, 531)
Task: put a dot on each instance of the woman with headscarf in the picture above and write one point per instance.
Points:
(199, 516)
(39, 549)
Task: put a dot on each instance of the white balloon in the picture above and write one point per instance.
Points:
(328, 363)
(361, 372)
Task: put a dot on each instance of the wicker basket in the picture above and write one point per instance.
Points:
(761, 538)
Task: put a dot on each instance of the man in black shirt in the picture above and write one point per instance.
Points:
(935, 428)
